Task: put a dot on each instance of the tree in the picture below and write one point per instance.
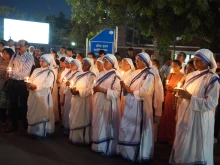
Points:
(163, 20)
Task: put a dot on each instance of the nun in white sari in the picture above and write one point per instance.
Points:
(63, 79)
(195, 125)
(76, 68)
(80, 117)
(136, 129)
(40, 113)
(106, 116)
(127, 68)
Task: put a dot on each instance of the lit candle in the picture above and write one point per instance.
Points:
(94, 83)
(178, 85)
(167, 81)
(27, 79)
(72, 85)
(122, 73)
(64, 79)
(171, 71)
(9, 69)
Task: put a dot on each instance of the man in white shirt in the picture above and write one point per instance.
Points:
(21, 64)
(62, 52)
(69, 52)
(181, 56)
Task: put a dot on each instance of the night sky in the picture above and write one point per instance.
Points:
(41, 6)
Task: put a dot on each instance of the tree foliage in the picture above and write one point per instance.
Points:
(163, 20)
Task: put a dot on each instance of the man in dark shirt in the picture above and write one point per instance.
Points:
(37, 54)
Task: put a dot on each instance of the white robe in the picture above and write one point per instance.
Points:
(66, 74)
(136, 129)
(40, 113)
(106, 116)
(55, 98)
(80, 116)
(195, 125)
(126, 79)
(67, 102)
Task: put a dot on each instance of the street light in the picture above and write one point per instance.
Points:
(73, 43)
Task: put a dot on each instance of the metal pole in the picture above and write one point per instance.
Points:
(87, 46)
(116, 39)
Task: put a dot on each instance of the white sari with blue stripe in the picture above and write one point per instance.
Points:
(106, 116)
(40, 113)
(80, 116)
(136, 141)
(195, 125)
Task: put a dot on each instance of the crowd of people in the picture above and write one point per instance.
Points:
(116, 106)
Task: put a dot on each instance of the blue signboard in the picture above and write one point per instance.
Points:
(103, 41)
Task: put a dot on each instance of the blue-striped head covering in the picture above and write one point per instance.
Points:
(112, 59)
(49, 59)
(207, 56)
(77, 63)
(145, 58)
(68, 60)
(91, 63)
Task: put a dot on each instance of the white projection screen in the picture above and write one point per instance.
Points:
(33, 32)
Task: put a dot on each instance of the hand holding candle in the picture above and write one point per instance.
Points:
(64, 79)
(9, 71)
(27, 79)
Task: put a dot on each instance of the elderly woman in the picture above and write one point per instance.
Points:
(195, 126)
(136, 128)
(80, 116)
(4, 61)
(106, 116)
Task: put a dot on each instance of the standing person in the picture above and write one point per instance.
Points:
(131, 55)
(165, 70)
(106, 115)
(62, 52)
(56, 57)
(38, 52)
(195, 126)
(76, 68)
(2, 44)
(63, 79)
(101, 53)
(31, 50)
(11, 44)
(40, 113)
(136, 128)
(181, 56)
(4, 61)
(81, 105)
(21, 64)
(217, 111)
(127, 69)
(80, 56)
(166, 129)
(69, 52)
(100, 65)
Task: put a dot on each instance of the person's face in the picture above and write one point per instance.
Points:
(6, 56)
(43, 64)
(67, 65)
(107, 64)
(38, 53)
(180, 58)
(176, 68)
(218, 64)
(11, 43)
(78, 57)
(101, 55)
(52, 53)
(1, 47)
(199, 64)
(139, 63)
(85, 66)
(189, 69)
(125, 66)
(31, 49)
(168, 62)
(21, 47)
(62, 51)
(100, 66)
(90, 56)
(69, 53)
(154, 64)
(62, 64)
(73, 67)
(130, 54)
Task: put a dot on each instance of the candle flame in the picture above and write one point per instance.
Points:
(167, 81)
(178, 85)
(122, 73)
